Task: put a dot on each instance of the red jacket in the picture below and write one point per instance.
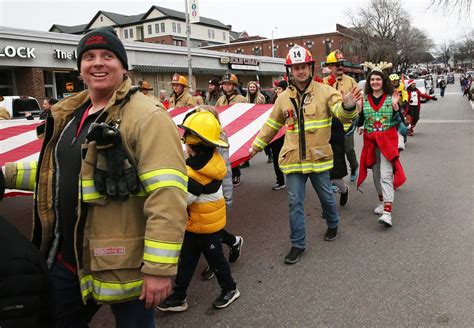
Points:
(420, 95)
(387, 142)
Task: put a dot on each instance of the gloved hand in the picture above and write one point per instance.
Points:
(434, 98)
(114, 175)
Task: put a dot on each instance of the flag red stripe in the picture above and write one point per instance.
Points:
(26, 150)
(13, 131)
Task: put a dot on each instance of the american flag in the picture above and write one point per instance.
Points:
(241, 122)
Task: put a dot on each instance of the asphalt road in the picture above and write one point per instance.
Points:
(418, 273)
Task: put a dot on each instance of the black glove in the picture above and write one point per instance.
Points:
(2, 184)
(434, 98)
(114, 174)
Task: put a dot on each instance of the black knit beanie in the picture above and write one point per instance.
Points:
(102, 38)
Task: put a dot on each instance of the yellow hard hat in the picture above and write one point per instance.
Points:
(202, 127)
(179, 79)
(334, 57)
(229, 77)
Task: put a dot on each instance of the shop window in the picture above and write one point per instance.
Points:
(150, 29)
(179, 28)
(209, 33)
(223, 36)
(162, 27)
(174, 27)
(213, 36)
(125, 32)
(131, 33)
(157, 28)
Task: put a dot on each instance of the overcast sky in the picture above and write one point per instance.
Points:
(257, 17)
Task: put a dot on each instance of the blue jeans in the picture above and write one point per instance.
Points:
(296, 183)
(70, 312)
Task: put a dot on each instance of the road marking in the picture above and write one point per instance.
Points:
(446, 121)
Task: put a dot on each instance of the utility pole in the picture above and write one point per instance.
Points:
(188, 44)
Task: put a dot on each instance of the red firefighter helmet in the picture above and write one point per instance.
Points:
(298, 55)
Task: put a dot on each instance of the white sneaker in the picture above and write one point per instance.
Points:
(386, 219)
(379, 209)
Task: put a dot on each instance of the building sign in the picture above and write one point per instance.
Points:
(241, 63)
(70, 86)
(61, 54)
(22, 52)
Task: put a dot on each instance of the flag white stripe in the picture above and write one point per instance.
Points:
(237, 140)
(17, 141)
(233, 112)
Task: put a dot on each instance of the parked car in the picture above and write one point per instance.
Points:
(18, 106)
(450, 79)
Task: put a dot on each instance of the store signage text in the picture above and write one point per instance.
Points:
(240, 61)
(61, 54)
(22, 52)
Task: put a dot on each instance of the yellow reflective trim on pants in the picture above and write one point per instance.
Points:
(163, 178)
(161, 252)
(109, 291)
(307, 167)
(347, 126)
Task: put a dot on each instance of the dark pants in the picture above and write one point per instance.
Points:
(236, 172)
(442, 92)
(70, 312)
(227, 238)
(276, 148)
(414, 112)
(211, 246)
(350, 153)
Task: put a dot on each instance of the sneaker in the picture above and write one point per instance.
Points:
(173, 304)
(278, 186)
(236, 181)
(354, 174)
(331, 234)
(294, 255)
(386, 219)
(379, 209)
(344, 197)
(234, 253)
(207, 273)
(226, 298)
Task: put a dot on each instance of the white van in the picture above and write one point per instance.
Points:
(17, 106)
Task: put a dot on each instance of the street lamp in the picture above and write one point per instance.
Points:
(273, 49)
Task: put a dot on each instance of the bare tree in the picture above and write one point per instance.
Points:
(462, 6)
(444, 53)
(383, 32)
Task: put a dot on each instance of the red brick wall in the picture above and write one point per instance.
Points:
(167, 39)
(30, 82)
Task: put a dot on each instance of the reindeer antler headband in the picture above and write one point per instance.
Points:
(377, 67)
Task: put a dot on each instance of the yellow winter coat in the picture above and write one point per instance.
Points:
(206, 204)
(184, 100)
(234, 99)
(121, 239)
(322, 102)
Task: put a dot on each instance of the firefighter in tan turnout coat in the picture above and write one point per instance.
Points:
(306, 108)
(122, 243)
